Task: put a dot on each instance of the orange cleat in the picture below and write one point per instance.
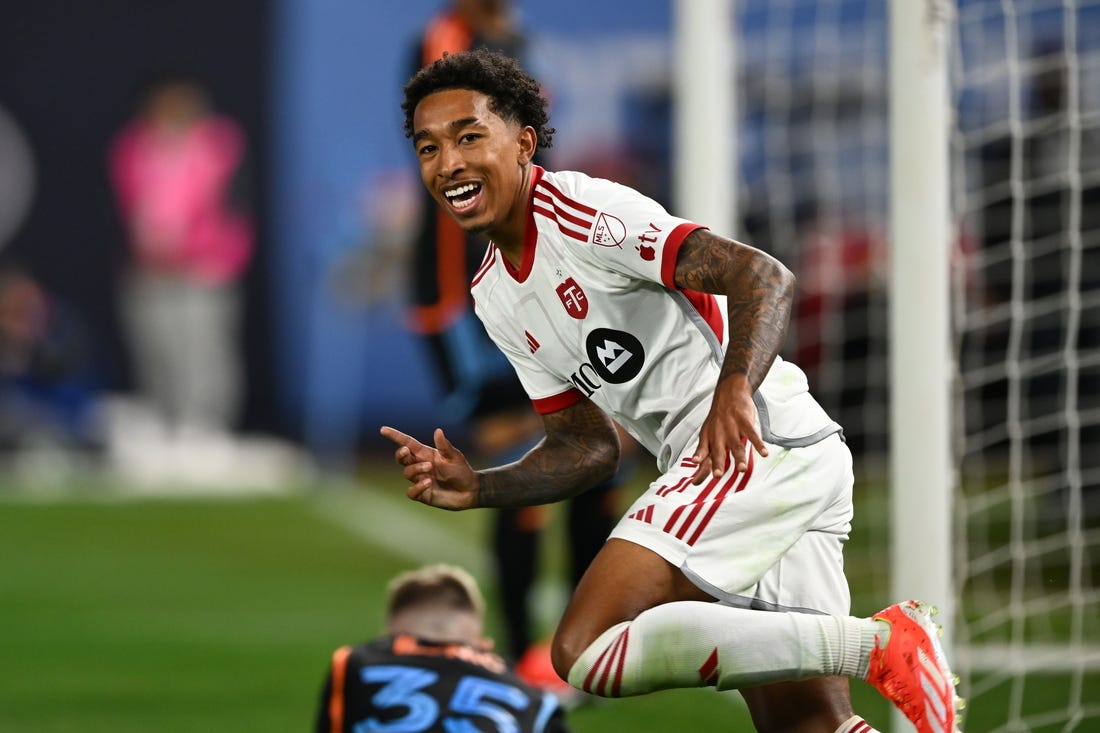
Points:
(911, 670)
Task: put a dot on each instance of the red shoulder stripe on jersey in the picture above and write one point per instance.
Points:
(561, 227)
(547, 405)
(336, 700)
(571, 203)
(486, 264)
(487, 258)
(562, 213)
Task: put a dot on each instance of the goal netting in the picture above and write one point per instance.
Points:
(1025, 270)
(1026, 148)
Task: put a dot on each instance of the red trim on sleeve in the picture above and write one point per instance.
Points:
(707, 306)
(705, 303)
(546, 405)
(672, 250)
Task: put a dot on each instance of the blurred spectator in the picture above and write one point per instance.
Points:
(480, 386)
(177, 172)
(842, 276)
(433, 670)
(48, 382)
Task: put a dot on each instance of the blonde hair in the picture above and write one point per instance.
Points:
(440, 586)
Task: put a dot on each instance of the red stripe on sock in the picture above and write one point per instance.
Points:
(620, 663)
(595, 668)
(709, 671)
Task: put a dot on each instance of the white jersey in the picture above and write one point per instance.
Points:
(593, 312)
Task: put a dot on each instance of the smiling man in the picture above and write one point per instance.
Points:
(728, 570)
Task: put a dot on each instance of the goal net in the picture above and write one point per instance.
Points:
(1026, 150)
(1025, 267)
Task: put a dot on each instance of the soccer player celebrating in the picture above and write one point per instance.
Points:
(727, 571)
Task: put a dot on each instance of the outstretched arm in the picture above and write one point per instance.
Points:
(579, 451)
(759, 291)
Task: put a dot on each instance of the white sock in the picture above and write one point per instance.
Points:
(856, 724)
(697, 644)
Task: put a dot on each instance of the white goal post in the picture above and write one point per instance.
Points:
(921, 474)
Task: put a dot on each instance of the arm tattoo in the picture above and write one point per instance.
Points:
(758, 291)
(580, 450)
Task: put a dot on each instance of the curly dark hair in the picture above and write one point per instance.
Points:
(513, 93)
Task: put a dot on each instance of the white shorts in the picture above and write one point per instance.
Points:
(771, 537)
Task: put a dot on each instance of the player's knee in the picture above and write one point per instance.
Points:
(576, 651)
(564, 651)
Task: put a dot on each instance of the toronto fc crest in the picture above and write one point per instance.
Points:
(573, 298)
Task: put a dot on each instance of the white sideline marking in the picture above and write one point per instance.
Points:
(402, 528)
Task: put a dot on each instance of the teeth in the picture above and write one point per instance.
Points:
(460, 190)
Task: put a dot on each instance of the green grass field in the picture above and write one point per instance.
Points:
(219, 613)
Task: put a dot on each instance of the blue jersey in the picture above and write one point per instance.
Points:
(402, 684)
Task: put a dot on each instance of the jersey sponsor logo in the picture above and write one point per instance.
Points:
(649, 235)
(616, 356)
(573, 298)
(644, 514)
(609, 231)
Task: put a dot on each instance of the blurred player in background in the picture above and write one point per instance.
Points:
(433, 670)
(728, 570)
(480, 386)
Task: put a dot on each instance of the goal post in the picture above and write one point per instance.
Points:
(921, 472)
(704, 90)
(921, 475)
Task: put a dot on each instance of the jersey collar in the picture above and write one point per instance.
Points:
(530, 234)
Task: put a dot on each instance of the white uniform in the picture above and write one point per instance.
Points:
(593, 312)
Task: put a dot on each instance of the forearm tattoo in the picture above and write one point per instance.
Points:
(580, 450)
(758, 289)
